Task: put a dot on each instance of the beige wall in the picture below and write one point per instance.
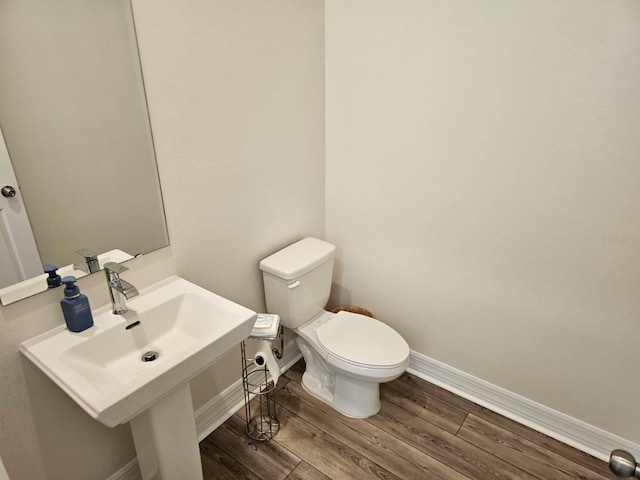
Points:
(482, 166)
(236, 93)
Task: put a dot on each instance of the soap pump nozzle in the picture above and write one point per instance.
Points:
(71, 290)
(54, 279)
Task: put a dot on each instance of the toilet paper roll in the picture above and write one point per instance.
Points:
(264, 356)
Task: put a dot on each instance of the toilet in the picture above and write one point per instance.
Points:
(347, 355)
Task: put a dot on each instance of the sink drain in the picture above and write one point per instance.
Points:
(149, 356)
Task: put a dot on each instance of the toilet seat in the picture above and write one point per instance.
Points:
(363, 341)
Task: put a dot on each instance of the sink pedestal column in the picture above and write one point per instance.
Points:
(166, 439)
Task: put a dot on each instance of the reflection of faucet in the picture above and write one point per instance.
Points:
(623, 464)
(119, 290)
(90, 264)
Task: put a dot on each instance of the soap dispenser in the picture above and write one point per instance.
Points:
(75, 306)
(53, 280)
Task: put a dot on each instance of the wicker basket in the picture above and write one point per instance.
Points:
(353, 309)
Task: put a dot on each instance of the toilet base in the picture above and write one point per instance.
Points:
(350, 396)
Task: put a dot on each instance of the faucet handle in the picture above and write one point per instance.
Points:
(113, 267)
(87, 254)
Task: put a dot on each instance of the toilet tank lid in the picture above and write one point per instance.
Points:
(299, 258)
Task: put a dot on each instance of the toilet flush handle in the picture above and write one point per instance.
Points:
(294, 285)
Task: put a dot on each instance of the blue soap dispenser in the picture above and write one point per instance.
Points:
(75, 306)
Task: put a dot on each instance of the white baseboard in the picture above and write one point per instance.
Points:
(217, 411)
(564, 428)
(131, 471)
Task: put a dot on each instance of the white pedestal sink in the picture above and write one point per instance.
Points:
(102, 368)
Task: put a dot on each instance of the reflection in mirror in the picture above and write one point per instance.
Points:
(79, 151)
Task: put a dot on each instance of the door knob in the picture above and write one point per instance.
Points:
(8, 191)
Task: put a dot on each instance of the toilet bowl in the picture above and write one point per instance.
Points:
(347, 355)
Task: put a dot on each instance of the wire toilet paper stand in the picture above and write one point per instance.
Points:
(259, 391)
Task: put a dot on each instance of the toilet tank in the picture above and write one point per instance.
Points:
(297, 280)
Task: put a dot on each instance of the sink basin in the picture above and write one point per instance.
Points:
(102, 368)
(38, 284)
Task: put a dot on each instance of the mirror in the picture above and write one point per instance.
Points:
(78, 140)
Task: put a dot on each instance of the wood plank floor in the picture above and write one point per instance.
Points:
(421, 432)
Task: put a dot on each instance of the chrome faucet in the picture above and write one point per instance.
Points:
(119, 290)
(90, 264)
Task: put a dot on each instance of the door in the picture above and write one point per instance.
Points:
(19, 258)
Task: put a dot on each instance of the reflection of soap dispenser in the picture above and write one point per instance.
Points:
(75, 306)
(54, 279)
